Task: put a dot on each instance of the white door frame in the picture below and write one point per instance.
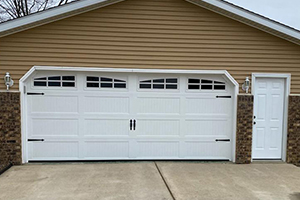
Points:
(32, 71)
(287, 78)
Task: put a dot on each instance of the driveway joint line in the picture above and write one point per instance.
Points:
(163, 178)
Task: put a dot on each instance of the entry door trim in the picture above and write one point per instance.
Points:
(287, 78)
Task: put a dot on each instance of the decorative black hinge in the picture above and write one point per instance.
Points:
(222, 140)
(35, 140)
(32, 93)
(228, 97)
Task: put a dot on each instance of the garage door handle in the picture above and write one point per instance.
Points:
(134, 124)
(33, 93)
(130, 124)
(222, 140)
(226, 97)
(35, 140)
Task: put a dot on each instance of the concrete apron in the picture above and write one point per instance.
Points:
(151, 180)
(216, 181)
(105, 180)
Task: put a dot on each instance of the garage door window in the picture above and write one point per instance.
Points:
(54, 81)
(161, 83)
(104, 82)
(205, 84)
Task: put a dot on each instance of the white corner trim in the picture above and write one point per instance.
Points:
(23, 78)
(252, 17)
(287, 78)
(234, 117)
(53, 12)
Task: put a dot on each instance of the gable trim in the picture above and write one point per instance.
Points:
(218, 6)
(250, 18)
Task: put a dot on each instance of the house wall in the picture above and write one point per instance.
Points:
(165, 34)
(10, 129)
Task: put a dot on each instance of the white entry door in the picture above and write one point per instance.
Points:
(268, 118)
(118, 116)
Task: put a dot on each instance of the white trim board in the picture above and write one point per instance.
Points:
(86, 69)
(34, 69)
(287, 78)
(82, 6)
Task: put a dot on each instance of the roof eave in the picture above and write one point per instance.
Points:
(249, 18)
(51, 15)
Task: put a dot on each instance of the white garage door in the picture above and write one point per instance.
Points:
(105, 116)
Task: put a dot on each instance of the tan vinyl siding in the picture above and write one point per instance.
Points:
(165, 34)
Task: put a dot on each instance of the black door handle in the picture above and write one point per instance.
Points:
(130, 124)
(134, 124)
(35, 140)
(254, 123)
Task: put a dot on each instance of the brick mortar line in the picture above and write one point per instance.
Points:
(163, 178)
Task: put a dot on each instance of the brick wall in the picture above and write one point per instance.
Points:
(244, 129)
(293, 139)
(10, 129)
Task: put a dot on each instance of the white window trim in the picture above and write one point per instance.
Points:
(151, 79)
(104, 88)
(33, 70)
(203, 90)
(287, 78)
(61, 87)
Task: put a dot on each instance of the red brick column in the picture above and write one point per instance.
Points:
(244, 129)
(293, 138)
(10, 129)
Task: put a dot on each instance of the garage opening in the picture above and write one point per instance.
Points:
(128, 115)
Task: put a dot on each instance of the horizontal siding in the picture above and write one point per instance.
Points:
(165, 34)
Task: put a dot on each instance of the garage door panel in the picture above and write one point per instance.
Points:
(54, 150)
(207, 105)
(58, 127)
(106, 149)
(105, 104)
(207, 150)
(158, 105)
(94, 123)
(158, 149)
(106, 127)
(158, 127)
(54, 104)
(207, 127)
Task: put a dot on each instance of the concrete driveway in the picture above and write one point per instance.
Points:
(151, 180)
